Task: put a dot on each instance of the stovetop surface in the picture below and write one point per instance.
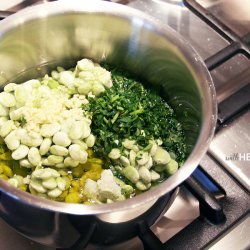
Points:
(228, 158)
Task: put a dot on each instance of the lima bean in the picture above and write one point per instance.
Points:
(131, 173)
(12, 141)
(153, 148)
(25, 163)
(21, 94)
(46, 162)
(55, 75)
(10, 87)
(58, 150)
(69, 162)
(31, 142)
(132, 156)
(171, 167)
(7, 99)
(60, 165)
(83, 156)
(142, 158)
(149, 164)
(85, 130)
(55, 159)
(85, 65)
(66, 78)
(20, 152)
(61, 183)
(114, 154)
(6, 128)
(45, 146)
(161, 156)
(125, 161)
(129, 144)
(75, 131)
(154, 175)
(61, 139)
(85, 88)
(54, 193)
(45, 173)
(77, 153)
(90, 141)
(82, 144)
(49, 183)
(145, 175)
(97, 89)
(127, 190)
(142, 186)
(34, 157)
(37, 186)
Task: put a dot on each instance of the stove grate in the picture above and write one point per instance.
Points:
(237, 44)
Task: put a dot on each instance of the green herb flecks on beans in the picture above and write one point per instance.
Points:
(129, 110)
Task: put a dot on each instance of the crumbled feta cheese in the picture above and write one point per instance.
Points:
(108, 188)
(90, 189)
(104, 189)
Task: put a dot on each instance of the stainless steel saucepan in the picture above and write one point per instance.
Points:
(36, 39)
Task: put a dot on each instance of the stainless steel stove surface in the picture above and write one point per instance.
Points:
(228, 159)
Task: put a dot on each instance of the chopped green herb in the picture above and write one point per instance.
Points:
(129, 110)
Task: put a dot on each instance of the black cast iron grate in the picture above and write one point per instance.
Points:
(236, 45)
(240, 100)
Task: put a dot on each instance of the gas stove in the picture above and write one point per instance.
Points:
(211, 209)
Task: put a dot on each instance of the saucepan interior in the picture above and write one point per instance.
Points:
(36, 40)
